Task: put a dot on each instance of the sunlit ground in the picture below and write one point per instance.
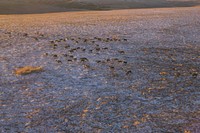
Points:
(110, 71)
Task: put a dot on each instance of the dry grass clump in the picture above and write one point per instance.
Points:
(27, 70)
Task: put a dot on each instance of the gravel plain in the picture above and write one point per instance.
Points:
(104, 71)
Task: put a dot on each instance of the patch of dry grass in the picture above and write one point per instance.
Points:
(27, 70)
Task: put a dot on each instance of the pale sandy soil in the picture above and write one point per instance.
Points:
(109, 71)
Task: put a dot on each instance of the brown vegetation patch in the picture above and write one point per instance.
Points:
(27, 70)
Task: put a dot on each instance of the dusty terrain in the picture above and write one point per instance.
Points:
(46, 6)
(110, 71)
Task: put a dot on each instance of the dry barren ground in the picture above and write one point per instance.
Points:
(110, 71)
(47, 6)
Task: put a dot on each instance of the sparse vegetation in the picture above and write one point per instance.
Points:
(112, 71)
(28, 70)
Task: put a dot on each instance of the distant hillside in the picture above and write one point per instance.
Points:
(44, 6)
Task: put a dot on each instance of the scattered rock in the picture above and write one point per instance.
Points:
(97, 49)
(55, 55)
(128, 72)
(111, 67)
(66, 47)
(99, 39)
(125, 62)
(85, 40)
(65, 55)
(83, 59)
(46, 54)
(121, 52)
(71, 56)
(35, 38)
(177, 74)
(194, 74)
(86, 66)
(25, 34)
(108, 60)
(98, 61)
(105, 48)
(59, 61)
(126, 40)
(75, 59)
(120, 61)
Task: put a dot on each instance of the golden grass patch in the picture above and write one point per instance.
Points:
(163, 73)
(136, 123)
(187, 131)
(27, 70)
